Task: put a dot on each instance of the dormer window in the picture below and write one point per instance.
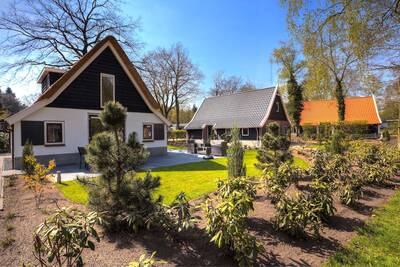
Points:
(277, 106)
(107, 88)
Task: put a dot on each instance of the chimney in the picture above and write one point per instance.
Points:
(48, 76)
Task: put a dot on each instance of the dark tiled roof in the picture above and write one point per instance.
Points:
(243, 110)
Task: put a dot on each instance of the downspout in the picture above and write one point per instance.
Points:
(12, 148)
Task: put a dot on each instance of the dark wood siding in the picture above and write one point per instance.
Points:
(159, 131)
(32, 131)
(252, 134)
(195, 134)
(275, 114)
(84, 91)
(50, 78)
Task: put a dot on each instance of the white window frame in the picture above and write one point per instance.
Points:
(101, 86)
(62, 135)
(277, 106)
(152, 131)
(248, 132)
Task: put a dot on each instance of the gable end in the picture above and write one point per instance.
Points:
(84, 91)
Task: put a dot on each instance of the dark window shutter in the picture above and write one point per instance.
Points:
(32, 131)
(159, 133)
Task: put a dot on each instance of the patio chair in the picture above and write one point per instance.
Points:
(82, 153)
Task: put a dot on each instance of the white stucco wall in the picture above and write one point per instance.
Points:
(76, 129)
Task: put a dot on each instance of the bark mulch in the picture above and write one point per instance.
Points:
(186, 249)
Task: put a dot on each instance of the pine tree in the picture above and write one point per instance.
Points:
(126, 198)
(274, 149)
(236, 166)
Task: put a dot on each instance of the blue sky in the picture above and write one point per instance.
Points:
(236, 37)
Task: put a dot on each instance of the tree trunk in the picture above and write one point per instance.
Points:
(340, 100)
(177, 111)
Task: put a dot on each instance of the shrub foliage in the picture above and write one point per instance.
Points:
(226, 220)
(63, 236)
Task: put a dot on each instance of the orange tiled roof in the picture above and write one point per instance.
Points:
(357, 109)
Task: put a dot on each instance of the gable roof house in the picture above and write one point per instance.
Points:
(250, 111)
(359, 109)
(65, 116)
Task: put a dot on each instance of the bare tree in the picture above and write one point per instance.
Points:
(157, 76)
(172, 77)
(59, 32)
(226, 85)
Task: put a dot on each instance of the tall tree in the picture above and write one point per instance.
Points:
(9, 102)
(226, 85)
(172, 78)
(361, 38)
(286, 56)
(59, 32)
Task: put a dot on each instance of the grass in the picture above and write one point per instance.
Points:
(6, 242)
(10, 216)
(176, 147)
(378, 242)
(195, 179)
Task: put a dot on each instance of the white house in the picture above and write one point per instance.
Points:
(65, 116)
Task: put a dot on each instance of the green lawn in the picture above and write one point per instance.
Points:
(378, 243)
(176, 147)
(195, 179)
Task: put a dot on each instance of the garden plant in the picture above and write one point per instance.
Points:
(64, 235)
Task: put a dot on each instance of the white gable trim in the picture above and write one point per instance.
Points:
(42, 103)
(270, 104)
(376, 109)
(194, 116)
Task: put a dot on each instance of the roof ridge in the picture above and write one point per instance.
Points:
(242, 92)
(333, 99)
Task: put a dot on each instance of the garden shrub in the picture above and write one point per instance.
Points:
(337, 144)
(295, 215)
(351, 189)
(277, 184)
(27, 151)
(127, 199)
(144, 261)
(63, 236)
(176, 217)
(236, 166)
(322, 198)
(38, 178)
(377, 163)
(309, 131)
(386, 135)
(226, 222)
(177, 134)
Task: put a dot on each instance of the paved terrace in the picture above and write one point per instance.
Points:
(173, 157)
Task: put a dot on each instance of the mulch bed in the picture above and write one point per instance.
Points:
(191, 248)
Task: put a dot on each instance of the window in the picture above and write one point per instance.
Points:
(277, 106)
(95, 126)
(54, 132)
(107, 88)
(147, 132)
(245, 131)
